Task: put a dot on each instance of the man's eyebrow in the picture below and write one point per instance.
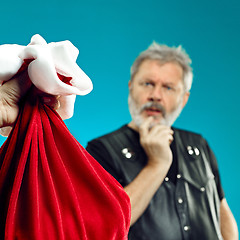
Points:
(169, 83)
(147, 79)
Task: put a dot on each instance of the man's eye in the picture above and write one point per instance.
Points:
(168, 88)
(148, 84)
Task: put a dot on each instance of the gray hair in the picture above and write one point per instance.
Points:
(166, 54)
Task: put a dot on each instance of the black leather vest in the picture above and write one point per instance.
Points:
(186, 210)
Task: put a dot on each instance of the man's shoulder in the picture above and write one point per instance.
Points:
(187, 132)
(121, 130)
(124, 129)
(189, 135)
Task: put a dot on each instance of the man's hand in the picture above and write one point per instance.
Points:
(11, 92)
(156, 143)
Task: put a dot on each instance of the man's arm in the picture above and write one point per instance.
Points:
(229, 227)
(156, 143)
(228, 224)
(142, 189)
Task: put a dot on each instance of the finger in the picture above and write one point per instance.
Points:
(161, 134)
(51, 101)
(170, 139)
(17, 86)
(4, 131)
(144, 128)
(160, 130)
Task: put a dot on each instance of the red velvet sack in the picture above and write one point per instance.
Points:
(51, 188)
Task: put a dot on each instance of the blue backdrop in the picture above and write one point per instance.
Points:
(110, 34)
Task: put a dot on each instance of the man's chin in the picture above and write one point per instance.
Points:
(157, 120)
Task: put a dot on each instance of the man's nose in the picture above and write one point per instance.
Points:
(155, 95)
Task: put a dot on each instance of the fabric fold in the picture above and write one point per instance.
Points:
(51, 188)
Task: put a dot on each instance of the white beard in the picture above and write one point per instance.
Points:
(168, 119)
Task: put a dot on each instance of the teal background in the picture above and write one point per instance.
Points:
(110, 34)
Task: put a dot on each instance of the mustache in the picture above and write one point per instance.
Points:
(155, 105)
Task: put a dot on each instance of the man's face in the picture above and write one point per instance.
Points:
(157, 90)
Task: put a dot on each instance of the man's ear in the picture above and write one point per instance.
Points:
(129, 84)
(185, 98)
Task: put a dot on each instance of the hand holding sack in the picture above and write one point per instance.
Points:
(50, 187)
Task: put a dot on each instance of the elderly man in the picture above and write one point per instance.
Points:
(170, 175)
